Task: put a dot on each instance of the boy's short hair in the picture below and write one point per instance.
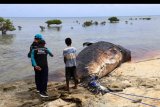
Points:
(68, 41)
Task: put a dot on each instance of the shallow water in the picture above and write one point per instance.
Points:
(142, 37)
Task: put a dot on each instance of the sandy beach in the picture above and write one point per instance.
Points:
(136, 78)
(119, 33)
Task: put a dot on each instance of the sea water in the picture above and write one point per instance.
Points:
(142, 37)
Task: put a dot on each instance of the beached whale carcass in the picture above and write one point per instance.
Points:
(100, 59)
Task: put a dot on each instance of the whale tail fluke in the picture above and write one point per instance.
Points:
(87, 44)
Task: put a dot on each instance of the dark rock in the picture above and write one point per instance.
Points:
(137, 101)
(9, 88)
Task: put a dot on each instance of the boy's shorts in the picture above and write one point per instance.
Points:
(70, 73)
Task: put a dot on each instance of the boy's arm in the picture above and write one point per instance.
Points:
(29, 53)
(65, 59)
(34, 62)
(75, 52)
(32, 59)
(49, 52)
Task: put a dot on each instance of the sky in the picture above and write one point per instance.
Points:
(77, 10)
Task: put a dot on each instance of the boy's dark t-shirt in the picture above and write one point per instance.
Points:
(39, 56)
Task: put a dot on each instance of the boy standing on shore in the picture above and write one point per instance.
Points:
(40, 64)
(69, 54)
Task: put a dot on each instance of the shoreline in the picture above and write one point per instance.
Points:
(148, 56)
(52, 77)
(59, 74)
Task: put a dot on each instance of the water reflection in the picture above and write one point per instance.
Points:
(6, 39)
(57, 28)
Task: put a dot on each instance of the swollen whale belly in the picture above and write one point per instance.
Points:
(100, 59)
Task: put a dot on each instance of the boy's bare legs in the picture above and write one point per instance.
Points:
(67, 83)
(75, 87)
(75, 84)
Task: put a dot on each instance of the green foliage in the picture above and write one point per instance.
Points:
(6, 25)
(147, 18)
(56, 21)
(103, 23)
(87, 23)
(1, 19)
(96, 23)
(113, 19)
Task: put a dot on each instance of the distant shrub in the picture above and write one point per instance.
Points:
(87, 23)
(103, 23)
(113, 19)
(6, 25)
(56, 21)
(42, 28)
(96, 23)
(147, 18)
(126, 22)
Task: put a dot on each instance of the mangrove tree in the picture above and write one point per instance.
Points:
(6, 25)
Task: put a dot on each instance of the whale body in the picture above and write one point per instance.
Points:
(100, 59)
